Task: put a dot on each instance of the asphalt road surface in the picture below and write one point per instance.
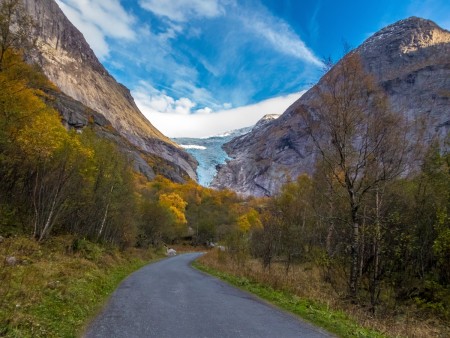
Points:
(171, 299)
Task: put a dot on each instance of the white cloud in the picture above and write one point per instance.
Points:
(198, 94)
(171, 32)
(205, 110)
(279, 34)
(183, 10)
(155, 101)
(99, 20)
(184, 106)
(205, 122)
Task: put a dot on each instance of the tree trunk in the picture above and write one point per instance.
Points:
(105, 215)
(49, 218)
(329, 240)
(374, 287)
(353, 280)
(102, 225)
(35, 205)
(362, 244)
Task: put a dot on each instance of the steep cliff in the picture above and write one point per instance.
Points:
(70, 63)
(411, 62)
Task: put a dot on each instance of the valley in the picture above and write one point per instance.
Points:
(335, 209)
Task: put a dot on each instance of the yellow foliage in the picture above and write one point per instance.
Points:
(249, 221)
(176, 205)
(21, 104)
(43, 136)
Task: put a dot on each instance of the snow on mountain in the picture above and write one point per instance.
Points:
(192, 146)
(208, 152)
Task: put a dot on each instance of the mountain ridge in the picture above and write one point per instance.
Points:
(410, 61)
(69, 62)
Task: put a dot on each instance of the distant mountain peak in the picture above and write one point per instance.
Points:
(407, 35)
(233, 133)
(265, 120)
(408, 59)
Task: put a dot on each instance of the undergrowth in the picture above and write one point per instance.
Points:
(301, 291)
(55, 288)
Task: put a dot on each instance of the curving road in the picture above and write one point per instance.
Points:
(171, 299)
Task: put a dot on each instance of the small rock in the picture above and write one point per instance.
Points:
(53, 284)
(11, 260)
(171, 252)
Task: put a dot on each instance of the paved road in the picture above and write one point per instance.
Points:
(171, 299)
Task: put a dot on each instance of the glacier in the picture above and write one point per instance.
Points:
(208, 152)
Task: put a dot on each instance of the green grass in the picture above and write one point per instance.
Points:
(335, 322)
(64, 313)
(53, 293)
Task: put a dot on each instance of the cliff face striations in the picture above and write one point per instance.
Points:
(70, 63)
(410, 60)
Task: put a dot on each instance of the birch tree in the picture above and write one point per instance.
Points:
(361, 142)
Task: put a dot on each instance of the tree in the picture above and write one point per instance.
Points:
(56, 158)
(361, 142)
(295, 218)
(31, 138)
(176, 205)
(249, 221)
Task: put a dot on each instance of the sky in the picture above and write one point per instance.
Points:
(197, 68)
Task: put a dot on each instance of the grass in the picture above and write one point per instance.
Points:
(54, 290)
(303, 292)
(336, 322)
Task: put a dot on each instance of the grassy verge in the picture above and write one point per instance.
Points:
(55, 288)
(336, 322)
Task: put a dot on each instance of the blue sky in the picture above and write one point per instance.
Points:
(200, 67)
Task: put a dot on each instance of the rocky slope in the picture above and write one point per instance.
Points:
(75, 115)
(411, 62)
(209, 151)
(69, 62)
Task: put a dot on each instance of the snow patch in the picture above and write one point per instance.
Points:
(192, 146)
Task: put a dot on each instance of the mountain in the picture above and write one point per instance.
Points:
(209, 151)
(409, 59)
(69, 62)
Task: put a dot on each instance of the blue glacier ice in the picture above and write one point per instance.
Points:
(209, 153)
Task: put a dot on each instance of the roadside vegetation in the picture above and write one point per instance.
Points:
(54, 288)
(303, 292)
(284, 292)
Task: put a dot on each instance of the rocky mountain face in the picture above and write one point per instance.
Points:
(266, 119)
(410, 60)
(70, 63)
(209, 151)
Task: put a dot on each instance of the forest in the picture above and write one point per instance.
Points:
(57, 181)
